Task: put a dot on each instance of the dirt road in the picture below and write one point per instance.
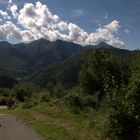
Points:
(11, 129)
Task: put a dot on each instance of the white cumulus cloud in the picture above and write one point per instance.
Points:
(4, 15)
(113, 26)
(37, 21)
(13, 9)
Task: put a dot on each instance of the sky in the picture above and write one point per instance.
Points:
(85, 22)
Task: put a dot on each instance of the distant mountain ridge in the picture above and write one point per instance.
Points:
(25, 58)
(22, 59)
(66, 73)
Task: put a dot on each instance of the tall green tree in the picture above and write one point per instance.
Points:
(100, 66)
(123, 108)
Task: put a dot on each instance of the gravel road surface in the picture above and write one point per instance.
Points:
(11, 129)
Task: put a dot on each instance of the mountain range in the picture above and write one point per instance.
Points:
(22, 59)
(42, 61)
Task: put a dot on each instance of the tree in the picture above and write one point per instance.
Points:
(23, 91)
(123, 109)
(100, 66)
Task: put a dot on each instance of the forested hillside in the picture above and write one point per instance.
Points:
(85, 93)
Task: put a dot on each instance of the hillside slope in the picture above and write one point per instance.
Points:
(6, 81)
(22, 59)
(66, 72)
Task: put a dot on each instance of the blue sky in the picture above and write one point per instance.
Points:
(90, 15)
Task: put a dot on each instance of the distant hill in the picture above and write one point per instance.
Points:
(22, 59)
(43, 52)
(100, 45)
(66, 72)
(56, 61)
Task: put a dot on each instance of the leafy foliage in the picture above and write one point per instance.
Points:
(76, 101)
(108, 83)
(102, 68)
(23, 92)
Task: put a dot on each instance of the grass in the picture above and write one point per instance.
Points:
(55, 122)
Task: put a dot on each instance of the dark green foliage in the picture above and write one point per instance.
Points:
(5, 92)
(121, 125)
(123, 113)
(45, 97)
(100, 66)
(109, 75)
(6, 97)
(59, 91)
(23, 59)
(6, 81)
(109, 81)
(29, 103)
(3, 100)
(64, 73)
(56, 90)
(50, 87)
(75, 101)
(11, 102)
(122, 116)
(90, 101)
(23, 92)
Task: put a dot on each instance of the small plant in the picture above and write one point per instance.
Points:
(11, 102)
(45, 97)
(28, 103)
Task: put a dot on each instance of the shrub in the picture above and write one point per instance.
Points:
(90, 101)
(5, 92)
(120, 125)
(123, 113)
(76, 101)
(3, 100)
(50, 87)
(28, 103)
(11, 102)
(59, 91)
(45, 97)
(23, 91)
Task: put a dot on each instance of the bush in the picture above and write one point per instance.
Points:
(123, 113)
(90, 101)
(59, 91)
(11, 102)
(5, 92)
(29, 103)
(76, 101)
(45, 97)
(120, 125)
(50, 87)
(3, 100)
(23, 91)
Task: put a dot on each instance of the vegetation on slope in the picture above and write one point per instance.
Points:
(6, 81)
(104, 101)
(23, 59)
(66, 73)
